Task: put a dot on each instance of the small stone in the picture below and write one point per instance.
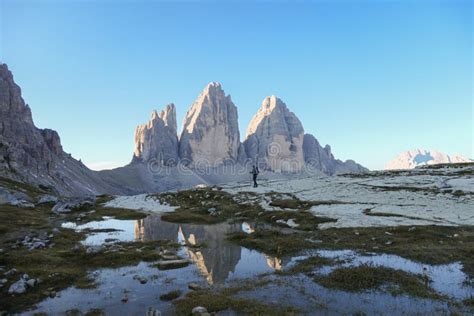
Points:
(456, 235)
(10, 272)
(140, 279)
(31, 282)
(18, 287)
(153, 312)
(37, 245)
(125, 299)
(194, 286)
(389, 242)
(25, 276)
(213, 211)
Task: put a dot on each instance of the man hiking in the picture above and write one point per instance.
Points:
(255, 173)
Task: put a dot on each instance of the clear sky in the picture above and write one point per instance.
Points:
(370, 78)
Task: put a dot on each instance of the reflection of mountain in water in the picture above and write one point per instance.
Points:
(216, 260)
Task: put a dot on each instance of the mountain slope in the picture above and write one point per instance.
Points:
(35, 155)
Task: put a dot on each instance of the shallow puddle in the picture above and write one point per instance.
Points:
(446, 279)
(218, 262)
(221, 263)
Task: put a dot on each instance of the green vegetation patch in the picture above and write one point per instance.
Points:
(194, 206)
(428, 244)
(32, 191)
(271, 242)
(367, 277)
(308, 265)
(224, 299)
(170, 295)
(66, 263)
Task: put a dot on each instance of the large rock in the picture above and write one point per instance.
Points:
(275, 138)
(420, 157)
(321, 159)
(210, 135)
(158, 138)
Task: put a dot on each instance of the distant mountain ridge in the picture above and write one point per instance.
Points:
(420, 157)
(275, 138)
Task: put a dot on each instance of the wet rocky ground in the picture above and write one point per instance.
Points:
(225, 252)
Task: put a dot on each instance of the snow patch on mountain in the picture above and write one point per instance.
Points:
(421, 157)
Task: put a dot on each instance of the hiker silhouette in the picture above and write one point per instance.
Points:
(255, 173)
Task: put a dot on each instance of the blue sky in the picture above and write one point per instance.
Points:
(370, 78)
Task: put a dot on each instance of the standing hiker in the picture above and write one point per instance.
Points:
(255, 173)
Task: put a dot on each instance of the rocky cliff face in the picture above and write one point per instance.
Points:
(210, 135)
(275, 138)
(158, 138)
(321, 159)
(35, 155)
(420, 157)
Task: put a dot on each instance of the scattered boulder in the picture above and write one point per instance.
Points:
(67, 206)
(19, 287)
(194, 286)
(141, 279)
(10, 272)
(38, 242)
(22, 204)
(31, 282)
(6, 197)
(47, 199)
(213, 211)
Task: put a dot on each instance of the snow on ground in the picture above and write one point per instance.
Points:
(410, 199)
(142, 202)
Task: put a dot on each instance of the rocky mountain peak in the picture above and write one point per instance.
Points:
(321, 158)
(158, 138)
(35, 155)
(168, 116)
(210, 133)
(275, 137)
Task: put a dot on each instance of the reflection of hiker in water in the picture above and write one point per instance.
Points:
(255, 173)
